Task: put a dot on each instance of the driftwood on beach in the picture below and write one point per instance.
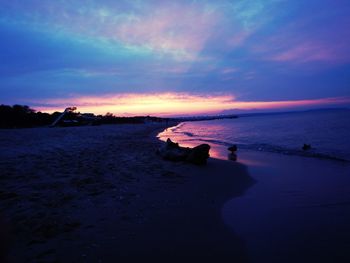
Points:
(174, 152)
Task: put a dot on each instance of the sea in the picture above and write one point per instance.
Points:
(327, 131)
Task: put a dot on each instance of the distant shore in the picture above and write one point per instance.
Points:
(101, 193)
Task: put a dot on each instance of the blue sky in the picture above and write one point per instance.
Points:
(101, 54)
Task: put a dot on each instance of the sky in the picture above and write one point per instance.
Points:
(177, 57)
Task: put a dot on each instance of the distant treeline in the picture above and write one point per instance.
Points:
(21, 116)
(18, 116)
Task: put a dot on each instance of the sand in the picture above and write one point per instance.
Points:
(101, 194)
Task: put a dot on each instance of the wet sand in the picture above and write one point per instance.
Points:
(297, 211)
(101, 194)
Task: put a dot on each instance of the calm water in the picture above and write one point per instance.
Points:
(328, 132)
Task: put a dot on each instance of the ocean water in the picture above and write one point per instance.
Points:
(328, 132)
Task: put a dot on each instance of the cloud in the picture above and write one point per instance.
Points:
(319, 37)
(170, 29)
(175, 29)
(312, 52)
(305, 52)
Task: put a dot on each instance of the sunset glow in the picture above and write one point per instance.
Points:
(176, 104)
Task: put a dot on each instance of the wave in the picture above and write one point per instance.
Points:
(315, 153)
(189, 134)
(175, 128)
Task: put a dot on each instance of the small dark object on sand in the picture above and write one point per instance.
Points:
(306, 147)
(232, 148)
(232, 156)
(173, 152)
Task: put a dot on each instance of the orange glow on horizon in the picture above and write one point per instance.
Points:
(173, 104)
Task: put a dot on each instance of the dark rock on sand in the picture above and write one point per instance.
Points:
(171, 144)
(173, 152)
(199, 154)
(306, 147)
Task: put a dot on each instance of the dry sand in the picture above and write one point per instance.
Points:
(100, 194)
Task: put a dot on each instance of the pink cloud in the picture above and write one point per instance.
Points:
(295, 44)
(308, 52)
(170, 29)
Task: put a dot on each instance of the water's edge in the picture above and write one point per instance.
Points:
(188, 138)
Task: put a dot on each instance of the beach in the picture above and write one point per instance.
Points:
(101, 194)
(175, 131)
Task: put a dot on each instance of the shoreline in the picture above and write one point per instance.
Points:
(219, 148)
(85, 191)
